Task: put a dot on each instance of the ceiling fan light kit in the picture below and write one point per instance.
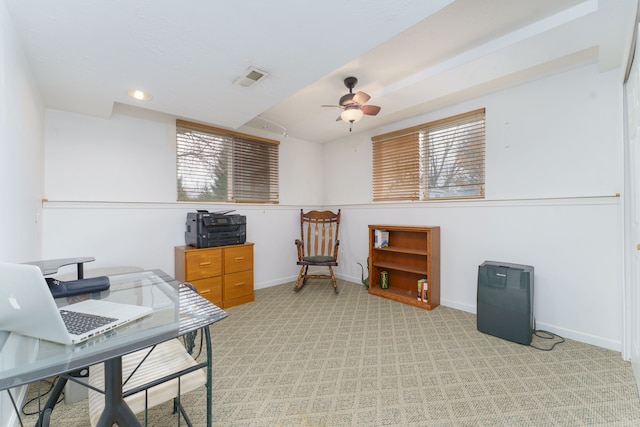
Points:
(351, 115)
(353, 104)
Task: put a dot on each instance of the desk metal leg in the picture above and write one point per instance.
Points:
(116, 409)
(51, 402)
(209, 376)
(80, 269)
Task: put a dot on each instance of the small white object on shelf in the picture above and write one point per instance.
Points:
(381, 238)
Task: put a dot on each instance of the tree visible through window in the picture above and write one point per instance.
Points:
(443, 159)
(217, 165)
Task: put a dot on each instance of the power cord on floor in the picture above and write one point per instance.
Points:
(39, 396)
(548, 336)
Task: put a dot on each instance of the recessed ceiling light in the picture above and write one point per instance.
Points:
(139, 94)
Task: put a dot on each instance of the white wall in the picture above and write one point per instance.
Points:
(130, 157)
(573, 245)
(144, 235)
(111, 190)
(558, 137)
(21, 154)
(554, 155)
(631, 330)
(21, 150)
(554, 164)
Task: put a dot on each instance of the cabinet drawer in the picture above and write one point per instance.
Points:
(239, 258)
(238, 284)
(210, 288)
(203, 264)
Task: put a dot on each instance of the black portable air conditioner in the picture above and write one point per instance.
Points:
(505, 301)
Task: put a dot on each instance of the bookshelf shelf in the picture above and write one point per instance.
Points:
(403, 250)
(401, 267)
(413, 253)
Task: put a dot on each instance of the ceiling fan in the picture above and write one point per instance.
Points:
(353, 104)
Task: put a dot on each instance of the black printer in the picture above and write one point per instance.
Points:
(209, 229)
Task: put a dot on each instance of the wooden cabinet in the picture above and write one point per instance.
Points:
(223, 275)
(413, 253)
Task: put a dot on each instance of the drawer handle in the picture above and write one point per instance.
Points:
(205, 263)
(239, 258)
(204, 292)
(239, 284)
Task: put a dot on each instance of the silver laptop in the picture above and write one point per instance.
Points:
(28, 308)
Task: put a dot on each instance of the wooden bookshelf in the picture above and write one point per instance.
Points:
(413, 253)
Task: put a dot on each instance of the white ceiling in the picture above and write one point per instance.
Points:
(411, 56)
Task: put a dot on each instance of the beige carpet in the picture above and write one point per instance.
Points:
(319, 359)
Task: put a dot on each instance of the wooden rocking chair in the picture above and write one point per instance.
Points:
(318, 245)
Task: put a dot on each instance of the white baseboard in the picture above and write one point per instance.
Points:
(582, 337)
(563, 332)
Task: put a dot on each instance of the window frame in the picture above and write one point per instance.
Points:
(404, 166)
(248, 165)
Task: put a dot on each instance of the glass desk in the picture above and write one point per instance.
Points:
(177, 310)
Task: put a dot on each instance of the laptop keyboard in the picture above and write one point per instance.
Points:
(79, 323)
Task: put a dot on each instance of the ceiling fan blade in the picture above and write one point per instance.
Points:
(347, 99)
(339, 118)
(370, 110)
(337, 106)
(361, 98)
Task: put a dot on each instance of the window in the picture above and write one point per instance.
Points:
(225, 166)
(441, 159)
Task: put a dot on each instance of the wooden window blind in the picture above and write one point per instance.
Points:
(436, 160)
(224, 166)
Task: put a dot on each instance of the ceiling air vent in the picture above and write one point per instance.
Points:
(251, 77)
